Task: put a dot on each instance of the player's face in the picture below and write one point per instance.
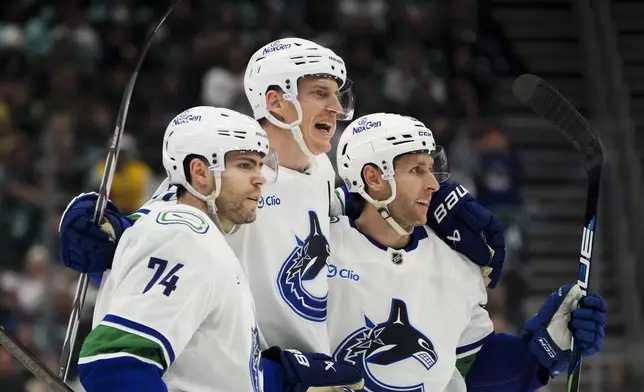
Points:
(241, 184)
(415, 184)
(320, 108)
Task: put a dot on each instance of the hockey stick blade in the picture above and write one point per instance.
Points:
(549, 104)
(103, 194)
(32, 363)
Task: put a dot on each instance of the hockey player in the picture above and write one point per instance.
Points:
(298, 90)
(404, 307)
(176, 312)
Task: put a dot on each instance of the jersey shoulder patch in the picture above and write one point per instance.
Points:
(178, 217)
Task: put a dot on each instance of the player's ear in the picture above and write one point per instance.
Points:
(199, 174)
(372, 177)
(275, 103)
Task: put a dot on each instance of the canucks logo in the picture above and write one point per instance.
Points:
(254, 363)
(389, 343)
(303, 265)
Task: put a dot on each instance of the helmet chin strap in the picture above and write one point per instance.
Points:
(381, 206)
(210, 203)
(296, 131)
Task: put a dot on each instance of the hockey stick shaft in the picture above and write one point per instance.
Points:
(32, 363)
(103, 193)
(551, 105)
(583, 276)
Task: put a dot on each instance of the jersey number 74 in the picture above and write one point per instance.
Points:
(169, 280)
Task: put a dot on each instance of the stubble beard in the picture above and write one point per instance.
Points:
(236, 212)
(406, 216)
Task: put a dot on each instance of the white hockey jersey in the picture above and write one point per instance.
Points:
(404, 316)
(177, 288)
(284, 255)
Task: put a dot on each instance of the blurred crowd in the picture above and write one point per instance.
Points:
(64, 66)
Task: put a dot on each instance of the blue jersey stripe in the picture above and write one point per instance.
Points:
(144, 330)
(123, 374)
(472, 346)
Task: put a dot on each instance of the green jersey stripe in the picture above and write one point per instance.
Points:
(464, 364)
(105, 339)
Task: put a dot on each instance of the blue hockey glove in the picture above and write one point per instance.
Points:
(295, 371)
(549, 333)
(468, 228)
(84, 247)
(587, 324)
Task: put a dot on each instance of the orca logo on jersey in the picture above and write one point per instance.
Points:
(255, 363)
(391, 343)
(304, 264)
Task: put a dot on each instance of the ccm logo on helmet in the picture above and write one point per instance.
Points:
(344, 273)
(424, 133)
(275, 46)
(268, 201)
(364, 124)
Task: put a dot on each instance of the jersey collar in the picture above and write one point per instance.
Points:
(417, 234)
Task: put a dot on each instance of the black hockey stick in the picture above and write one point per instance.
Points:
(549, 104)
(32, 363)
(103, 193)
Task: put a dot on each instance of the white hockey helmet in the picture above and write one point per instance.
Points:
(377, 139)
(211, 133)
(282, 63)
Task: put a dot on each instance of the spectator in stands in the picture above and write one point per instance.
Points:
(497, 179)
(132, 179)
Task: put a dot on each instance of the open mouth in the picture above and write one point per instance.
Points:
(423, 202)
(324, 126)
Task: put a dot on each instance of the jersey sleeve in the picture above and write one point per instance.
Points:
(338, 198)
(480, 326)
(162, 289)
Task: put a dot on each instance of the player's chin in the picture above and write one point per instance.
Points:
(247, 213)
(246, 216)
(420, 221)
(420, 211)
(319, 142)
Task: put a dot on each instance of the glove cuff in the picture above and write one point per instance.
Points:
(548, 353)
(275, 379)
(273, 354)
